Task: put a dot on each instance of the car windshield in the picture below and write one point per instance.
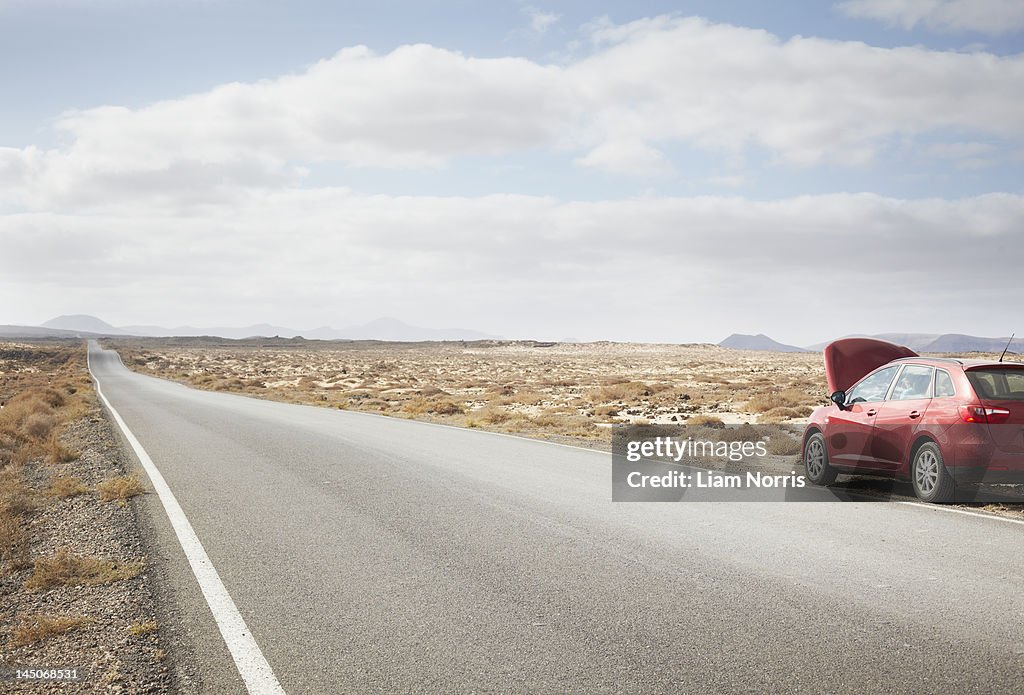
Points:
(999, 384)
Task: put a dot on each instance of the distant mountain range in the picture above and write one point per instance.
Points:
(738, 341)
(390, 329)
(380, 329)
(918, 342)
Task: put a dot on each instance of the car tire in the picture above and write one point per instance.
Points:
(932, 482)
(816, 464)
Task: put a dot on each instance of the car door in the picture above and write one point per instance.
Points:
(900, 416)
(848, 431)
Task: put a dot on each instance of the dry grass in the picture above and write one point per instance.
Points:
(16, 497)
(499, 385)
(712, 421)
(782, 444)
(57, 452)
(63, 486)
(434, 406)
(489, 415)
(39, 425)
(14, 545)
(33, 628)
(66, 568)
(142, 627)
(783, 414)
(120, 488)
(788, 398)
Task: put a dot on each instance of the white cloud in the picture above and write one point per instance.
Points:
(982, 16)
(627, 157)
(541, 21)
(645, 85)
(808, 100)
(413, 107)
(656, 268)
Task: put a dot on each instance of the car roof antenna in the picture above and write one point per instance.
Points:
(1008, 343)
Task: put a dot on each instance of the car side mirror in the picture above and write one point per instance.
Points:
(839, 398)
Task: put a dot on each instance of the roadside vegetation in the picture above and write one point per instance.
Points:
(562, 391)
(69, 569)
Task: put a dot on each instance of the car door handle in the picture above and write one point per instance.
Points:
(872, 412)
(914, 414)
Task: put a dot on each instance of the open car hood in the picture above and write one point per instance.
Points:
(849, 359)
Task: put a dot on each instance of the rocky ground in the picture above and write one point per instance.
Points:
(565, 392)
(77, 594)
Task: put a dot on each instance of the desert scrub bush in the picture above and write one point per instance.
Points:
(33, 628)
(742, 433)
(14, 544)
(67, 569)
(712, 421)
(447, 406)
(571, 425)
(670, 396)
(376, 404)
(529, 398)
(606, 411)
(51, 397)
(434, 406)
(788, 398)
(517, 422)
(782, 444)
(63, 486)
(57, 452)
(39, 425)
(16, 498)
(120, 487)
(488, 415)
(783, 413)
(142, 627)
(624, 391)
(416, 406)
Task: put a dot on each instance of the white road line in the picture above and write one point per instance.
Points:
(867, 498)
(933, 507)
(252, 665)
(965, 512)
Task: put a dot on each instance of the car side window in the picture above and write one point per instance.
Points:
(915, 381)
(944, 384)
(873, 387)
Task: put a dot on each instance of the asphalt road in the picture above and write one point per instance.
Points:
(370, 554)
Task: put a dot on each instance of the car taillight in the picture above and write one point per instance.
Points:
(980, 413)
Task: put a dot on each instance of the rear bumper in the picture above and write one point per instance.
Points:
(980, 461)
(983, 475)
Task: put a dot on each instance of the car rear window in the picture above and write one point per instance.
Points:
(998, 384)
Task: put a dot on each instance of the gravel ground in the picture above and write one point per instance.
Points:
(109, 656)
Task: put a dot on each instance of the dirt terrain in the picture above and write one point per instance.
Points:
(537, 389)
(73, 571)
(565, 392)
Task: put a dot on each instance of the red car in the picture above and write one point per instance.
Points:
(942, 423)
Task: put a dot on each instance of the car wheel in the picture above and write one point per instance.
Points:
(932, 482)
(816, 463)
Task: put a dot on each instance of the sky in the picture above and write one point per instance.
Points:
(644, 170)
